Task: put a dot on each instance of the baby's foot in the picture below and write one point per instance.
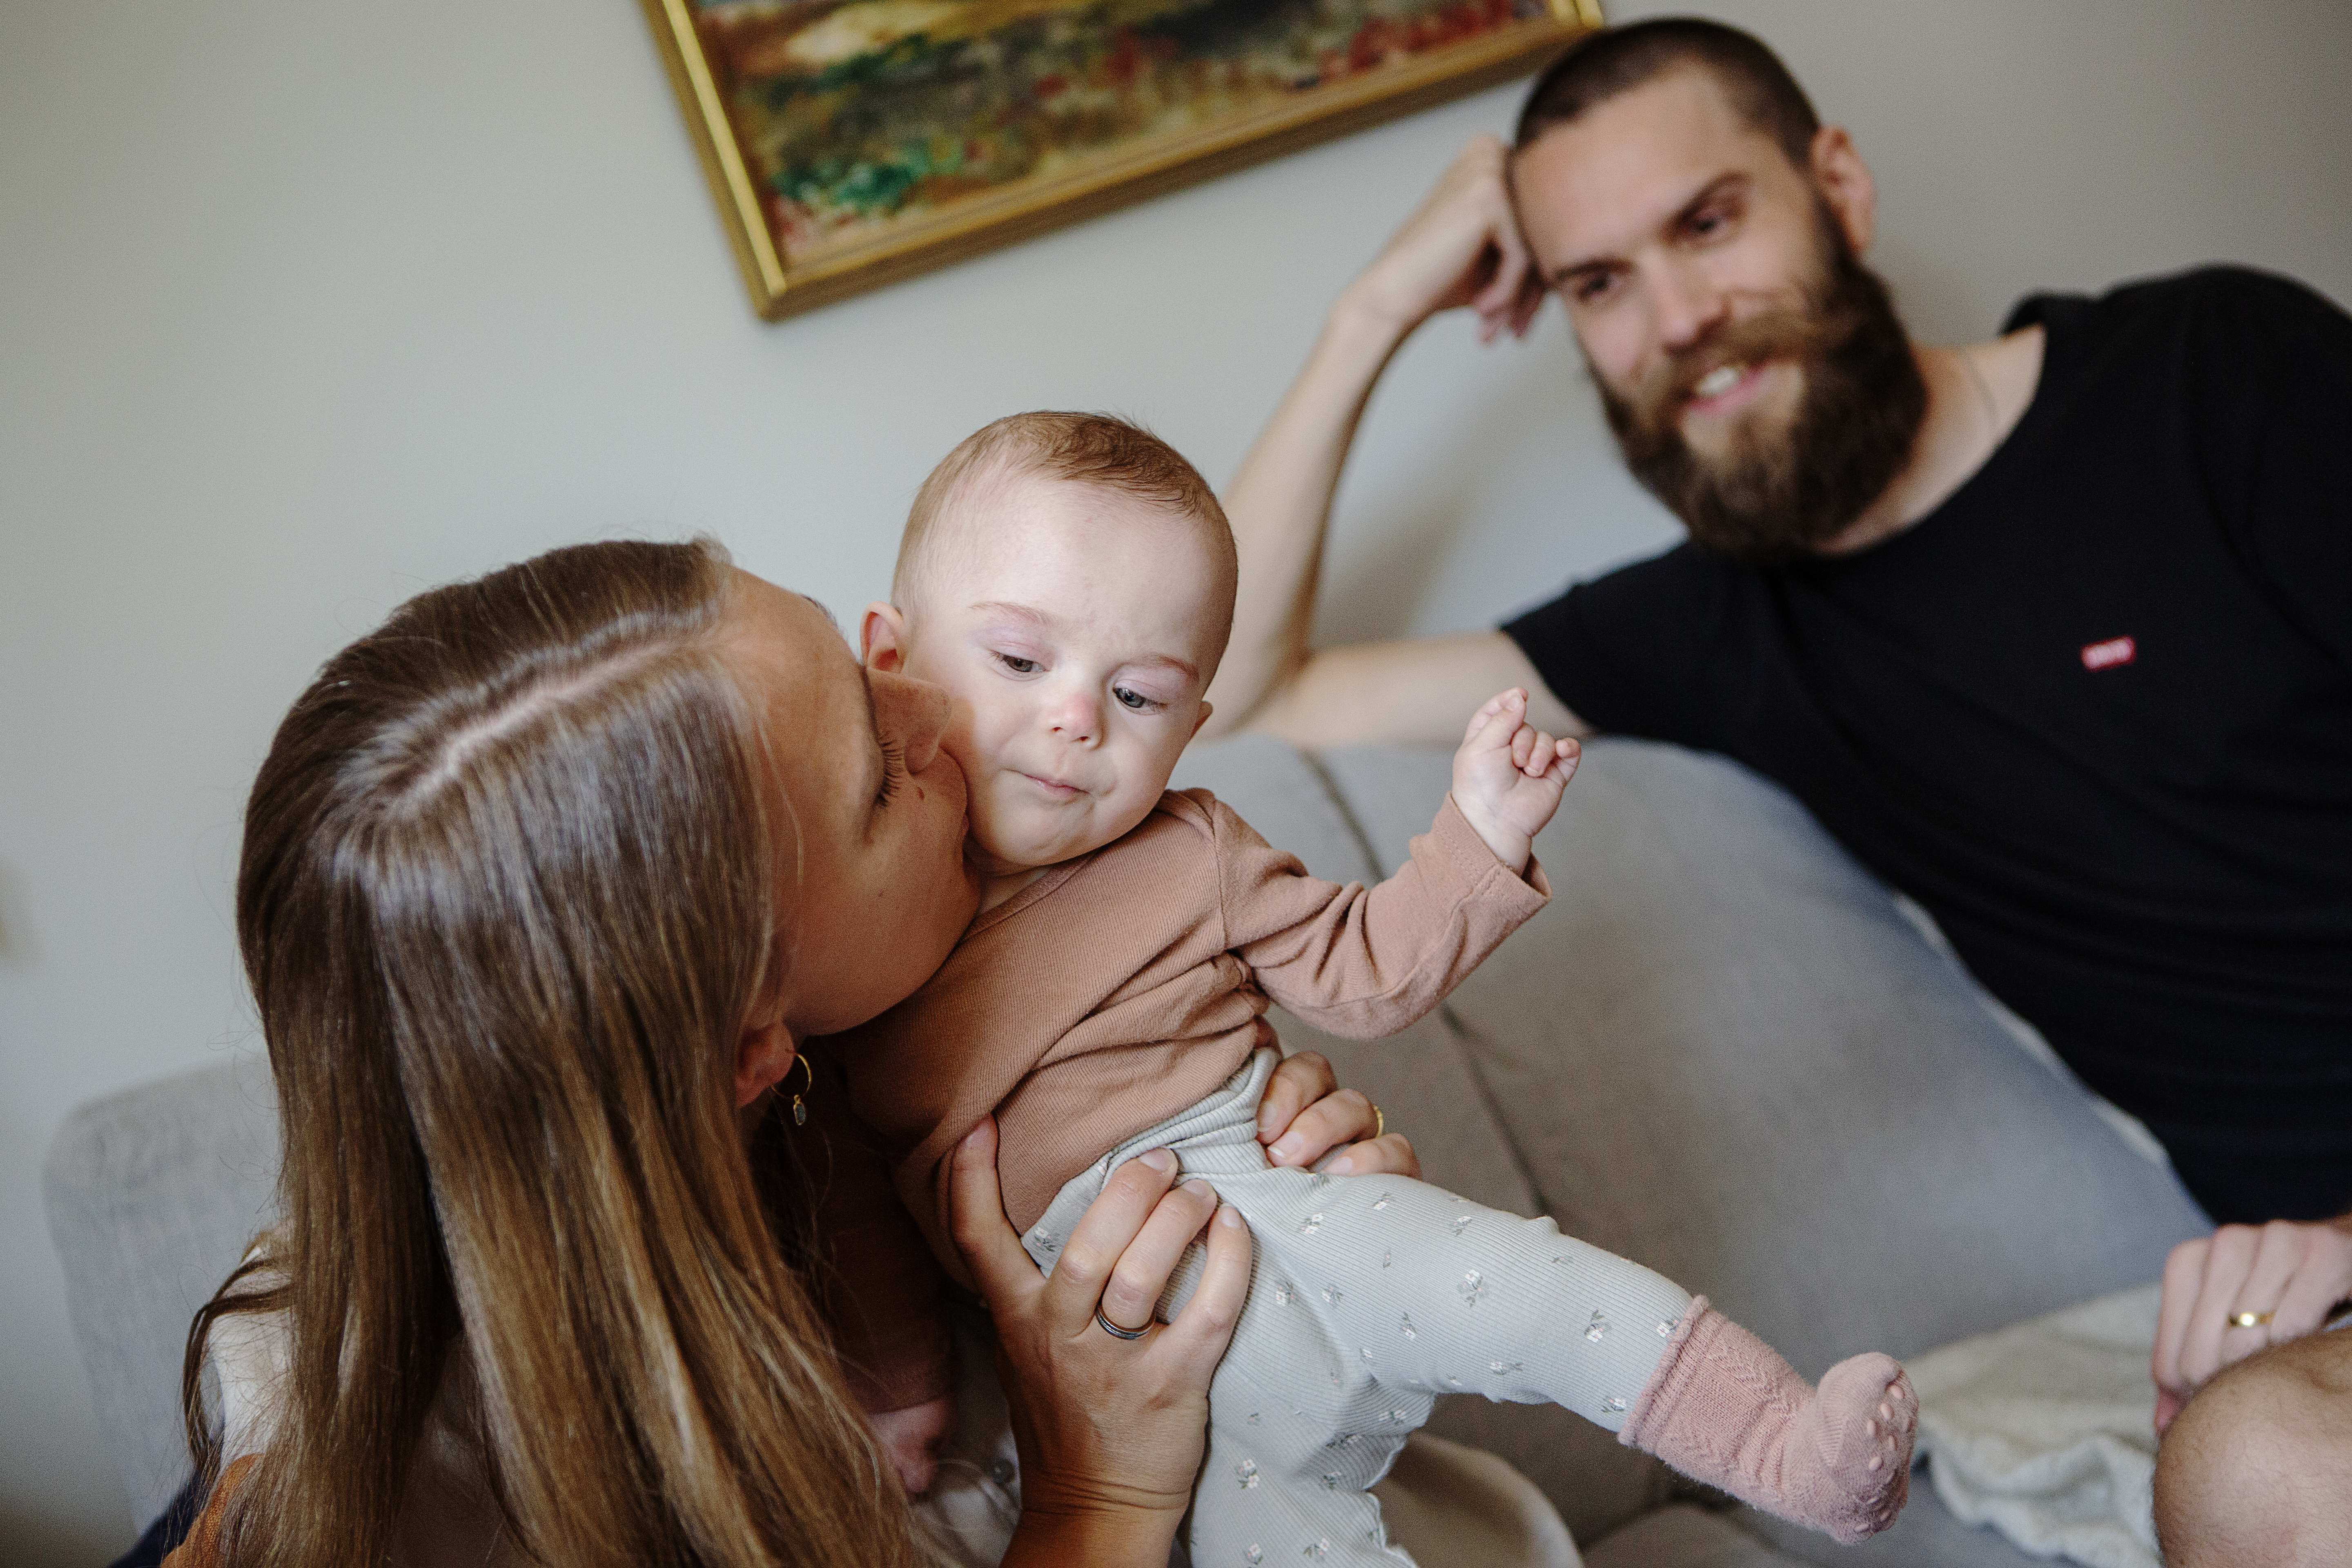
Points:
(1856, 1431)
(1725, 1408)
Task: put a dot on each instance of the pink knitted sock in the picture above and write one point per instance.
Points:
(1724, 1408)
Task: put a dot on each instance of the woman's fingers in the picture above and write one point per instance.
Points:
(1082, 1271)
(1141, 1274)
(1342, 1116)
(1205, 1325)
(1299, 1082)
(1390, 1154)
(991, 1248)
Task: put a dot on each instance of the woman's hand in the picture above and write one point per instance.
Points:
(1307, 1117)
(1111, 1431)
(2290, 1274)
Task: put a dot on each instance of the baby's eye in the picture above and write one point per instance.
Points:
(1133, 700)
(1016, 664)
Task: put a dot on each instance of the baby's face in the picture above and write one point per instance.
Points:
(1077, 627)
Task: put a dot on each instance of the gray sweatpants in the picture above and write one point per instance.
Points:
(1369, 1296)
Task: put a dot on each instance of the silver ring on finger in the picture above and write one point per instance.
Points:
(1115, 1331)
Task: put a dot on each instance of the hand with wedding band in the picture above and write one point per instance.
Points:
(2243, 1288)
(1110, 1430)
(1307, 1119)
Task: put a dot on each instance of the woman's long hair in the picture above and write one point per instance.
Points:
(505, 903)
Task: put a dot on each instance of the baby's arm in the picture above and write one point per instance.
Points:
(1509, 776)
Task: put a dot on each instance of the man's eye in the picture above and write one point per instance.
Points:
(1135, 701)
(1016, 664)
(1587, 289)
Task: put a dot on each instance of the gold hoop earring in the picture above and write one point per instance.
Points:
(800, 1112)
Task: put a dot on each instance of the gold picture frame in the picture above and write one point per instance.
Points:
(789, 99)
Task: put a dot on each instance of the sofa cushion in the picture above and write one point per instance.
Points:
(151, 1196)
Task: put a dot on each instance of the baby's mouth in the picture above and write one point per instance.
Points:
(1053, 788)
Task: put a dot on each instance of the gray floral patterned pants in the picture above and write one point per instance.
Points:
(1370, 1297)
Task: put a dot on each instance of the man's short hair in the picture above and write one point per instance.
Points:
(1078, 449)
(1601, 65)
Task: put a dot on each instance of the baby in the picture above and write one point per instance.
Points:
(1070, 580)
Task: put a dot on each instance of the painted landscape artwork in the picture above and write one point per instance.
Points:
(885, 136)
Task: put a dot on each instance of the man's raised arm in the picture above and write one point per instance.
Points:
(1461, 248)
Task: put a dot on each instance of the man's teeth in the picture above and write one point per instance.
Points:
(1718, 381)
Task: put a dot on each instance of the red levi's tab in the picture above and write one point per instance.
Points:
(2108, 654)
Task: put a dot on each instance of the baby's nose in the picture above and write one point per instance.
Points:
(1076, 717)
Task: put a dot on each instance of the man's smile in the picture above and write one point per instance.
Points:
(1727, 387)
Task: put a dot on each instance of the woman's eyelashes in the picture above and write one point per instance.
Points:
(894, 763)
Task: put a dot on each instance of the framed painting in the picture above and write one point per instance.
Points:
(854, 142)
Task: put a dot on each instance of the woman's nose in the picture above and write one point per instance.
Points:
(920, 712)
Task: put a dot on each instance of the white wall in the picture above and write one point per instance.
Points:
(307, 305)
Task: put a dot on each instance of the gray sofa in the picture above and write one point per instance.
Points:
(1723, 1051)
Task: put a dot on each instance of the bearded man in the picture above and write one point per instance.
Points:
(2054, 632)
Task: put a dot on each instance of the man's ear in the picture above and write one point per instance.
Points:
(882, 639)
(763, 1056)
(1844, 183)
(1206, 709)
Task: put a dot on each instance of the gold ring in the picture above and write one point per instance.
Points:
(2249, 1319)
(1380, 1123)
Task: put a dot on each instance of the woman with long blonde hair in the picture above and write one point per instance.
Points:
(541, 883)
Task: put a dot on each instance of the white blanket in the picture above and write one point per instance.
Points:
(2042, 1430)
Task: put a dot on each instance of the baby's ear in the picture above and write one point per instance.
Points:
(1206, 709)
(882, 638)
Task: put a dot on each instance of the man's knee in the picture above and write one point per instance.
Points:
(2258, 1467)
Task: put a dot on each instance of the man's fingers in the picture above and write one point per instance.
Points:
(2184, 1272)
(1501, 295)
(991, 1247)
(2322, 1277)
(2279, 1250)
(2228, 1261)
(1299, 1082)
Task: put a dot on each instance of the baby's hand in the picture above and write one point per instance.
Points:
(1507, 776)
(912, 1439)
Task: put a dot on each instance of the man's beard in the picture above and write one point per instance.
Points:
(1778, 496)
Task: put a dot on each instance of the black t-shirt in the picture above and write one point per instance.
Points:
(2094, 712)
